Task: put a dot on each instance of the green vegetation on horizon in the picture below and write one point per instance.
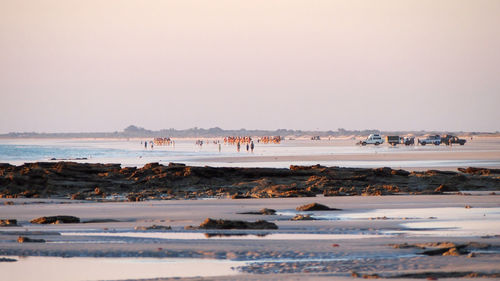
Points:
(134, 131)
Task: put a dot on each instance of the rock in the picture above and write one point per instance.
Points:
(479, 171)
(305, 168)
(153, 227)
(71, 179)
(8, 222)
(446, 188)
(236, 224)
(315, 207)
(134, 197)
(78, 196)
(264, 211)
(403, 246)
(378, 190)
(471, 255)
(239, 196)
(55, 220)
(98, 191)
(446, 251)
(452, 252)
(23, 239)
(468, 206)
(300, 217)
(371, 276)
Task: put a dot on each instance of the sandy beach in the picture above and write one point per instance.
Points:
(370, 236)
(336, 244)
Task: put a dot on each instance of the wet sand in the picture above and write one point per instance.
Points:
(481, 151)
(315, 259)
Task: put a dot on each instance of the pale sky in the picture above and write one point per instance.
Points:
(80, 66)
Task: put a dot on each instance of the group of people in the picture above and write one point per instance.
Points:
(236, 140)
(151, 143)
(271, 139)
(163, 141)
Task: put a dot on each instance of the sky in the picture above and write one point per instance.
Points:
(101, 65)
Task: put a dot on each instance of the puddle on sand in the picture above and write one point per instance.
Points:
(222, 236)
(445, 221)
(451, 221)
(64, 269)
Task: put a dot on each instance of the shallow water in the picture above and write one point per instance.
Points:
(68, 269)
(452, 221)
(198, 236)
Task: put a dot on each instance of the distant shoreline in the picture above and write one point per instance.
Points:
(137, 132)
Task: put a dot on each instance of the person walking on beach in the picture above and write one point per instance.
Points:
(238, 146)
(252, 146)
(248, 147)
(219, 147)
(146, 144)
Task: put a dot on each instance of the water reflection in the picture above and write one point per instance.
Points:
(221, 235)
(225, 236)
(64, 269)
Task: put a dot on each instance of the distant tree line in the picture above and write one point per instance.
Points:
(138, 132)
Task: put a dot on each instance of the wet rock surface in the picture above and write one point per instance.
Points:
(315, 207)
(84, 181)
(236, 224)
(55, 220)
(264, 211)
(445, 248)
(24, 239)
(8, 222)
(300, 217)
(153, 227)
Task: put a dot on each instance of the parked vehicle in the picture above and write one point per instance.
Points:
(393, 140)
(450, 139)
(436, 140)
(409, 140)
(375, 139)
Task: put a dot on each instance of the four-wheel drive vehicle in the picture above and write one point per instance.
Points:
(393, 140)
(375, 139)
(436, 140)
(450, 139)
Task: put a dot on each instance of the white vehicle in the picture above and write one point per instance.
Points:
(375, 139)
(436, 140)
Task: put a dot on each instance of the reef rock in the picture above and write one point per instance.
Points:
(315, 207)
(236, 224)
(55, 220)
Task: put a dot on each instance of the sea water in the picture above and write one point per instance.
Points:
(134, 153)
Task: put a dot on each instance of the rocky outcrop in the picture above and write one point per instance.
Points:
(300, 217)
(479, 171)
(446, 188)
(153, 227)
(264, 211)
(23, 239)
(8, 222)
(315, 207)
(84, 181)
(445, 248)
(55, 220)
(236, 224)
